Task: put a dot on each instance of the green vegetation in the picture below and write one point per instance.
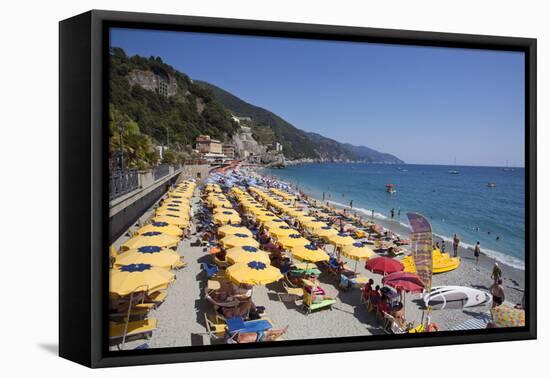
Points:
(176, 120)
(296, 143)
(150, 118)
(139, 150)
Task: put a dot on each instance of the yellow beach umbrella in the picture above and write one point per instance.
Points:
(224, 210)
(238, 240)
(275, 223)
(151, 238)
(358, 251)
(226, 217)
(172, 219)
(309, 252)
(266, 217)
(305, 218)
(314, 224)
(155, 256)
(341, 240)
(324, 232)
(182, 213)
(246, 254)
(253, 273)
(293, 240)
(231, 229)
(164, 227)
(281, 231)
(126, 279)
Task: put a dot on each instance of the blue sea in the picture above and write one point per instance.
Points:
(460, 203)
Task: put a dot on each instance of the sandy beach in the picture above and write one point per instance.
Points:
(181, 316)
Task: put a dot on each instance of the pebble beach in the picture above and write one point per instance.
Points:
(181, 317)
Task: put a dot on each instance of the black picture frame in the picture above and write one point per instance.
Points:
(83, 228)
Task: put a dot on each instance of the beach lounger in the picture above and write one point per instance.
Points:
(139, 327)
(308, 306)
(291, 294)
(216, 331)
(157, 297)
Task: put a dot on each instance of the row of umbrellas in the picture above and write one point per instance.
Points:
(250, 265)
(145, 260)
(351, 248)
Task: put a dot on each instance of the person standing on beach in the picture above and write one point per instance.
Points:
(497, 273)
(351, 204)
(442, 246)
(399, 213)
(497, 291)
(392, 213)
(477, 252)
(456, 242)
(372, 214)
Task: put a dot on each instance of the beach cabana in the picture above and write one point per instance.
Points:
(246, 254)
(163, 227)
(151, 238)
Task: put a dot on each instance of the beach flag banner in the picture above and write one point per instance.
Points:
(422, 243)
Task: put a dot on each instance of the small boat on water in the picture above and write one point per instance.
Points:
(491, 185)
(453, 171)
(507, 168)
(390, 188)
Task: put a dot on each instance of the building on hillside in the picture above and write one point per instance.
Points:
(228, 150)
(240, 119)
(205, 145)
(158, 81)
(277, 147)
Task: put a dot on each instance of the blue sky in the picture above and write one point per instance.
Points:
(426, 105)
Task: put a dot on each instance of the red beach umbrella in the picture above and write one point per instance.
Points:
(384, 265)
(404, 281)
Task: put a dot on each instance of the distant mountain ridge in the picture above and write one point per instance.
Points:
(298, 144)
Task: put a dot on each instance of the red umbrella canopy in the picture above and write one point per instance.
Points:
(384, 265)
(408, 282)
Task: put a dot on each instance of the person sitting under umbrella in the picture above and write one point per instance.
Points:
(398, 313)
(318, 294)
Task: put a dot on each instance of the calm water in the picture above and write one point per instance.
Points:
(459, 203)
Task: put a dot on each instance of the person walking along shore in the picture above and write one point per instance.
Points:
(456, 242)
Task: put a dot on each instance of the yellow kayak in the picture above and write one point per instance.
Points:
(442, 262)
